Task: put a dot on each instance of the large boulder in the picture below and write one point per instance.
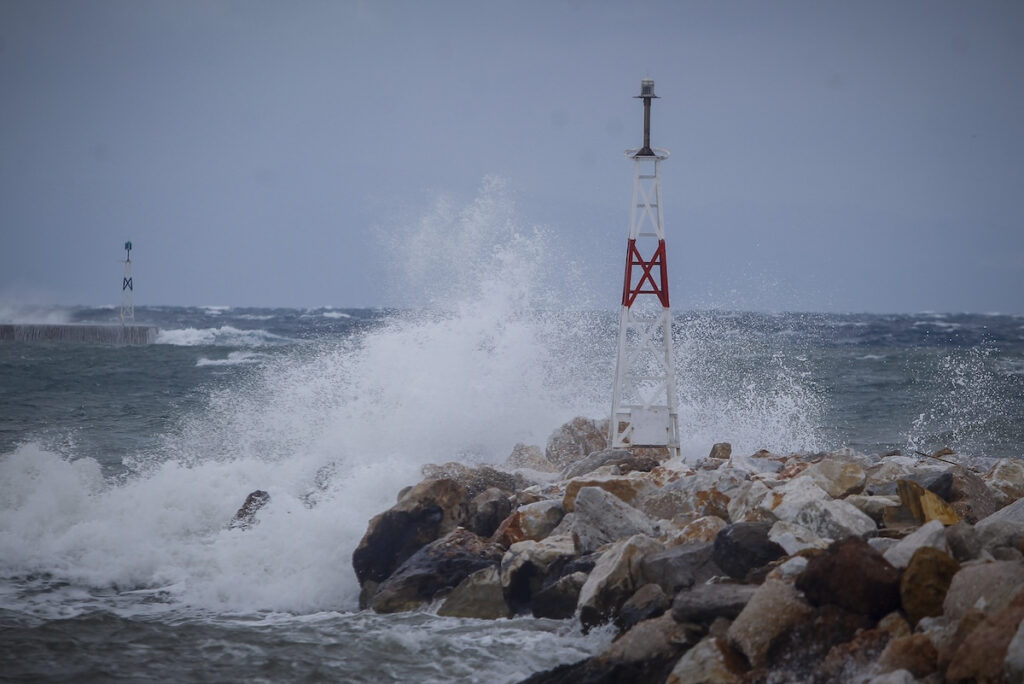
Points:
(854, 576)
(706, 602)
(530, 457)
(983, 654)
(742, 547)
(932, 534)
(434, 570)
(1005, 479)
(773, 609)
(426, 512)
(601, 517)
(649, 601)
(971, 498)
(526, 566)
(680, 567)
(487, 510)
(988, 586)
(558, 600)
(924, 583)
(614, 579)
(478, 596)
(246, 515)
(575, 440)
(837, 478)
(530, 521)
(595, 460)
(476, 478)
(833, 519)
(627, 488)
(712, 661)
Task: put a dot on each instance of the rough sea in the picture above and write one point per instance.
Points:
(121, 467)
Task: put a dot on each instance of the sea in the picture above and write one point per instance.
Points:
(121, 467)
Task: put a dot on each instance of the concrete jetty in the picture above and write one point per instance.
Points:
(80, 333)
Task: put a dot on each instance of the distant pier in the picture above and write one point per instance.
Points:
(70, 332)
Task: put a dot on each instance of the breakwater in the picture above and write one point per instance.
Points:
(80, 333)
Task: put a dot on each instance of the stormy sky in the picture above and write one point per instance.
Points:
(826, 156)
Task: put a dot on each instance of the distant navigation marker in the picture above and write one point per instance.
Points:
(644, 411)
(127, 288)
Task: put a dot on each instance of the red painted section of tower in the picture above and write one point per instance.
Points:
(659, 287)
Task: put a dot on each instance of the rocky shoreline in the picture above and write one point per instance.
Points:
(808, 567)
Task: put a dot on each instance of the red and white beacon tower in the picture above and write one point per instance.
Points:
(644, 409)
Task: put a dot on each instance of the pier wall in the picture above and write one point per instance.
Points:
(90, 334)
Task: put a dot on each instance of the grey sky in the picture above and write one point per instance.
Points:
(831, 156)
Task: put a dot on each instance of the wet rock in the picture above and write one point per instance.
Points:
(613, 580)
(873, 506)
(745, 503)
(592, 462)
(970, 496)
(649, 601)
(742, 547)
(804, 644)
(706, 602)
(1005, 479)
(627, 488)
(931, 534)
(924, 505)
(531, 521)
(986, 586)
(773, 609)
(478, 596)
(1012, 514)
(795, 538)
(246, 515)
(487, 510)
(913, 653)
(711, 661)
(924, 584)
(653, 639)
(894, 677)
(601, 517)
(558, 600)
(1013, 666)
(680, 567)
(703, 529)
(853, 660)
(476, 479)
(721, 451)
(837, 478)
(529, 458)
(853, 576)
(833, 519)
(429, 510)
(435, 569)
(787, 502)
(575, 440)
(527, 564)
(963, 540)
(981, 657)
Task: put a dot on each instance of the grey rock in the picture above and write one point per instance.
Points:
(601, 517)
(742, 547)
(478, 596)
(680, 567)
(930, 534)
(706, 602)
(558, 600)
(594, 461)
(964, 542)
(987, 586)
(246, 515)
(649, 601)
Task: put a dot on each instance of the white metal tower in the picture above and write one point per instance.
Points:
(644, 409)
(127, 288)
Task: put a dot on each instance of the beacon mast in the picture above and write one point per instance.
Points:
(644, 412)
(127, 288)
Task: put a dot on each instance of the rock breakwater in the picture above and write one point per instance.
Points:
(808, 567)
